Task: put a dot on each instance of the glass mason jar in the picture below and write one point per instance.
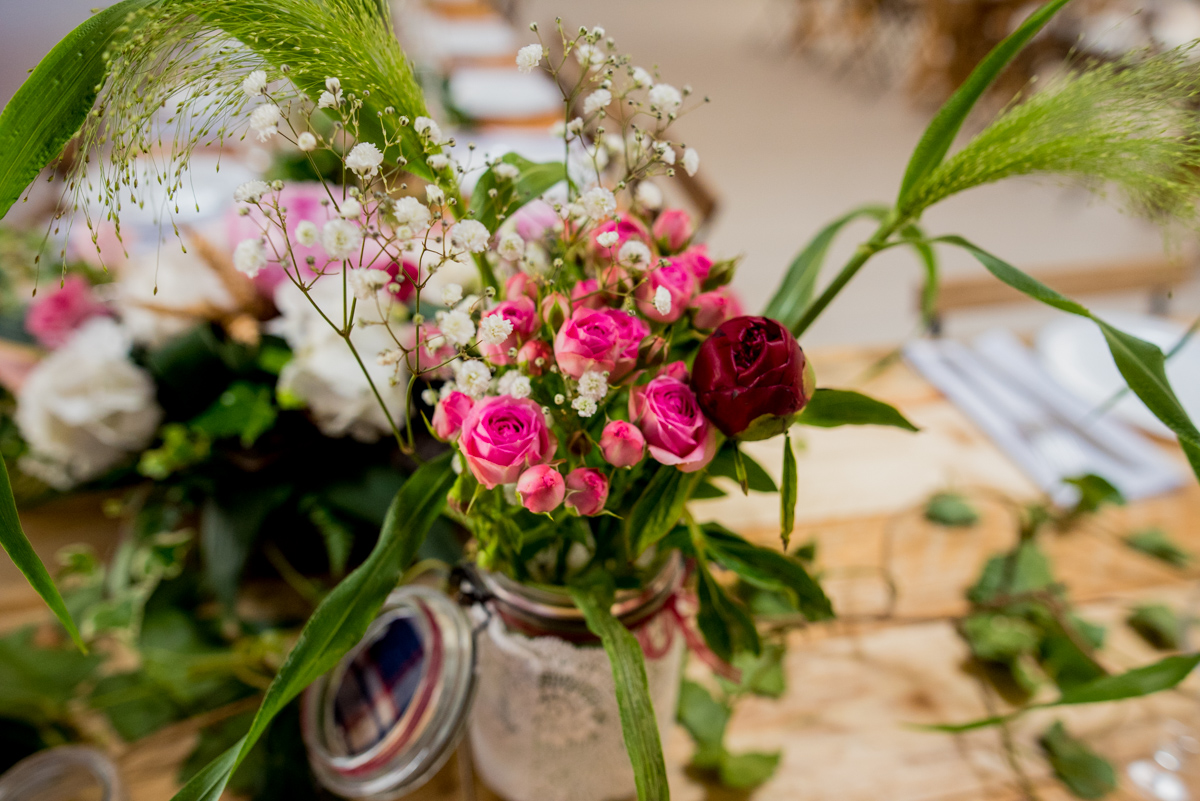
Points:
(544, 724)
(66, 773)
(521, 673)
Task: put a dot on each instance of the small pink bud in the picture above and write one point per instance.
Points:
(714, 308)
(676, 370)
(673, 230)
(586, 294)
(622, 444)
(521, 284)
(534, 357)
(449, 413)
(541, 488)
(587, 491)
(555, 309)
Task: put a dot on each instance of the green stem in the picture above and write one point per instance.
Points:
(864, 252)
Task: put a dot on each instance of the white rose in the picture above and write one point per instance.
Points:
(185, 283)
(323, 372)
(86, 406)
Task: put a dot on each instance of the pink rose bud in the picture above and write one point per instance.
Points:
(676, 370)
(622, 444)
(586, 295)
(53, 317)
(522, 313)
(534, 218)
(534, 357)
(504, 436)
(449, 414)
(521, 284)
(714, 308)
(541, 488)
(555, 309)
(672, 230)
(680, 284)
(697, 261)
(587, 491)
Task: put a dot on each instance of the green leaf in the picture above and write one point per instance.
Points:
(1085, 773)
(939, 136)
(342, 618)
(1162, 675)
(244, 410)
(55, 99)
(787, 498)
(1020, 572)
(638, 722)
(768, 570)
(1157, 624)
(830, 408)
(950, 509)
(724, 464)
(1140, 363)
(1157, 543)
(17, 546)
(37, 684)
(762, 675)
(230, 524)
(725, 623)
(795, 291)
(661, 505)
(533, 180)
(999, 637)
(749, 770)
(702, 715)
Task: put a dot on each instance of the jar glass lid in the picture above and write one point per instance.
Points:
(388, 716)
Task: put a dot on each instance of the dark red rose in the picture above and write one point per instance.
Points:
(751, 378)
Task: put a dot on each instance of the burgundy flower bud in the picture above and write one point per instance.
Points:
(751, 378)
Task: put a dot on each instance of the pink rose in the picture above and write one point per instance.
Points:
(627, 228)
(428, 358)
(672, 230)
(669, 417)
(586, 294)
(503, 436)
(541, 488)
(530, 353)
(603, 340)
(521, 284)
(696, 259)
(587, 491)
(676, 370)
(680, 284)
(714, 308)
(449, 414)
(622, 444)
(522, 313)
(53, 317)
(555, 309)
(534, 218)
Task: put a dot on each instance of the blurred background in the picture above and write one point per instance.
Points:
(816, 105)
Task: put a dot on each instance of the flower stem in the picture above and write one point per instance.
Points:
(865, 251)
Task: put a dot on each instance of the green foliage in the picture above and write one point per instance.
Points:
(660, 505)
(1128, 123)
(705, 719)
(1158, 543)
(38, 684)
(55, 99)
(510, 195)
(638, 723)
(939, 136)
(767, 569)
(723, 464)
(830, 408)
(244, 410)
(1157, 624)
(17, 546)
(230, 523)
(950, 509)
(787, 498)
(181, 448)
(724, 621)
(1084, 772)
(1094, 493)
(341, 619)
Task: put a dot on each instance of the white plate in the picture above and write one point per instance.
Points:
(1075, 353)
(502, 93)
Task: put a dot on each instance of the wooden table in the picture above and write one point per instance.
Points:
(858, 684)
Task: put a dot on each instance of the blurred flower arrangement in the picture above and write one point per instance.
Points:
(554, 324)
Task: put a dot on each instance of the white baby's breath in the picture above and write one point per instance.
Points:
(528, 57)
(255, 83)
(457, 327)
(473, 377)
(511, 247)
(515, 384)
(250, 256)
(662, 300)
(665, 98)
(607, 239)
(585, 406)
(635, 254)
(595, 101)
(264, 121)
(648, 195)
(350, 209)
(307, 233)
(593, 385)
(434, 195)
(411, 212)
(691, 161)
(470, 235)
(365, 283)
(642, 78)
(364, 159)
(505, 171)
(597, 203)
(306, 142)
(251, 191)
(494, 329)
(451, 294)
(341, 239)
(428, 128)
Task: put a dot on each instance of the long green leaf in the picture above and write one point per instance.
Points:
(787, 496)
(17, 546)
(1146, 680)
(660, 506)
(725, 622)
(1142, 364)
(939, 136)
(638, 722)
(795, 291)
(343, 616)
(510, 195)
(830, 408)
(768, 569)
(55, 99)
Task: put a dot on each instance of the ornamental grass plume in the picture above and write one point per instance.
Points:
(1131, 124)
(177, 80)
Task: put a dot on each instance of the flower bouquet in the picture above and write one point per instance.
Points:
(583, 357)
